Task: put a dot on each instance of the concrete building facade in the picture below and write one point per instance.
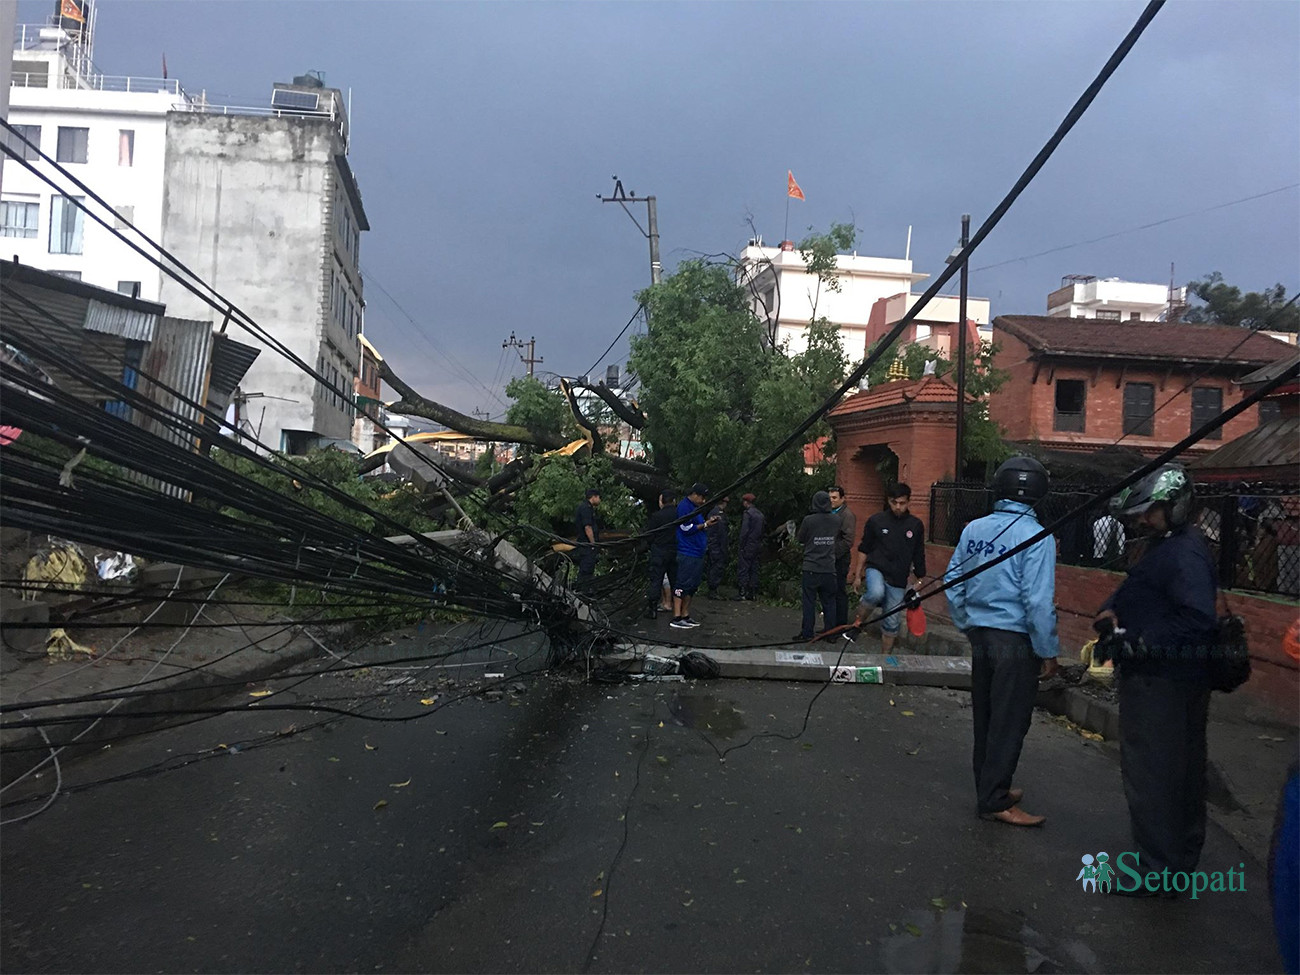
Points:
(934, 326)
(786, 297)
(1085, 296)
(266, 209)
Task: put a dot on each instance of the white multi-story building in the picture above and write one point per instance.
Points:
(109, 132)
(259, 201)
(1084, 296)
(786, 297)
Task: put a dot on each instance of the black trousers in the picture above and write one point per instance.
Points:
(747, 571)
(717, 562)
(842, 588)
(1004, 685)
(661, 563)
(1162, 759)
(586, 562)
(817, 585)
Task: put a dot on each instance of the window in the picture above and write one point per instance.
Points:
(18, 218)
(32, 133)
(1110, 316)
(65, 225)
(1139, 408)
(1135, 316)
(1269, 410)
(131, 288)
(1069, 406)
(72, 144)
(126, 147)
(125, 215)
(1207, 403)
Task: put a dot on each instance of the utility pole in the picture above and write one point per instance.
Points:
(530, 345)
(622, 198)
(960, 335)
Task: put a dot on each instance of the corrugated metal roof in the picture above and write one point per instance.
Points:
(127, 323)
(1275, 444)
(230, 362)
(1260, 376)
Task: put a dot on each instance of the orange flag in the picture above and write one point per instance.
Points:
(792, 188)
(69, 9)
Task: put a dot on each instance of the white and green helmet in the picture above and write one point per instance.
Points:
(1168, 484)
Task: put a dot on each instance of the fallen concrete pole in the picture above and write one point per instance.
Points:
(800, 663)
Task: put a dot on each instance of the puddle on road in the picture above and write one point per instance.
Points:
(975, 940)
(704, 712)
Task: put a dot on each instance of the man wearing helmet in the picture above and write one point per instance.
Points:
(1165, 623)
(1008, 612)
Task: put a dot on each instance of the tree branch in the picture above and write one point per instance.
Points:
(630, 415)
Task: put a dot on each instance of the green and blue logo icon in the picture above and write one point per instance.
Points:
(1125, 875)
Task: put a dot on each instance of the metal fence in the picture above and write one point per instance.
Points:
(1255, 536)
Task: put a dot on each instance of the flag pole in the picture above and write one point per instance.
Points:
(785, 235)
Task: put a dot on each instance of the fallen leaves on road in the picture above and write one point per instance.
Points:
(426, 701)
(938, 902)
(381, 804)
(661, 760)
(369, 747)
(909, 714)
(913, 930)
(400, 785)
(260, 693)
(598, 893)
(500, 824)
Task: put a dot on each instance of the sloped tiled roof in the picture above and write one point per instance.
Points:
(927, 389)
(1149, 341)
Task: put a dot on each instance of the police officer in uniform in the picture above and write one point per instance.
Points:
(1165, 626)
(1008, 613)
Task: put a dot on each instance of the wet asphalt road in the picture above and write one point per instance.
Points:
(854, 848)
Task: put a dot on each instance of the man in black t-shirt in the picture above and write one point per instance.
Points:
(893, 544)
(588, 531)
(662, 533)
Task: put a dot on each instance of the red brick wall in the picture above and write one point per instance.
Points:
(1080, 593)
(925, 449)
(1026, 409)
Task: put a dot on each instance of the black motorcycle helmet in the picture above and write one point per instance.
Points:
(1020, 479)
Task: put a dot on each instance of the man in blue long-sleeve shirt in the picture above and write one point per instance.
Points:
(1166, 608)
(1009, 615)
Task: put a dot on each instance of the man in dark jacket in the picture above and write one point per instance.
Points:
(662, 534)
(817, 536)
(751, 545)
(893, 543)
(1166, 625)
(843, 554)
(588, 531)
(716, 555)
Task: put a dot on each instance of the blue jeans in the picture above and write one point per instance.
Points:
(877, 592)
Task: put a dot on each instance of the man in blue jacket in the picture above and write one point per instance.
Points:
(1008, 612)
(1166, 612)
(692, 542)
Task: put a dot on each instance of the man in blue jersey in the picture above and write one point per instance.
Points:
(1008, 613)
(692, 543)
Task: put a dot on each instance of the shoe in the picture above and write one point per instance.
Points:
(665, 609)
(1015, 795)
(650, 613)
(1015, 816)
(690, 622)
(679, 623)
(800, 638)
(740, 597)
